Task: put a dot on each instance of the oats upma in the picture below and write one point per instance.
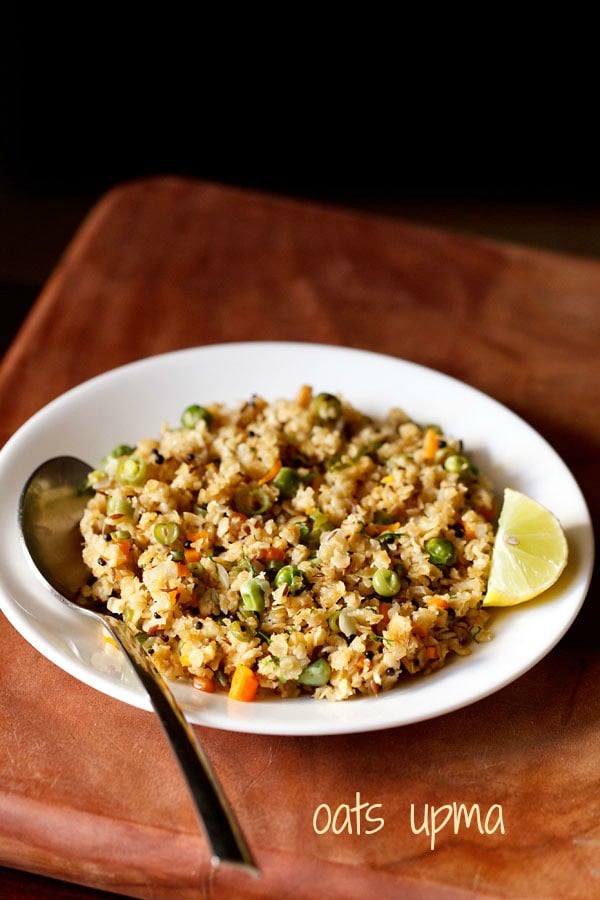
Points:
(292, 547)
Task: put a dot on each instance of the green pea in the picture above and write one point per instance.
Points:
(386, 582)
(166, 533)
(251, 501)
(327, 408)
(293, 577)
(459, 465)
(441, 551)
(253, 595)
(193, 414)
(316, 674)
(131, 470)
(120, 534)
(287, 481)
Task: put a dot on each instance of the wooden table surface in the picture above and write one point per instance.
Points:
(89, 792)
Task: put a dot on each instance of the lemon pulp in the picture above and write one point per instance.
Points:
(530, 551)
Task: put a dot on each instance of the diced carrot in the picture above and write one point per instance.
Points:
(439, 602)
(488, 512)
(469, 532)
(272, 553)
(244, 684)
(182, 570)
(384, 610)
(201, 683)
(197, 535)
(124, 549)
(431, 444)
(270, 475)
(376, 528)
(191, 555)
(304, 396)
(432, 653)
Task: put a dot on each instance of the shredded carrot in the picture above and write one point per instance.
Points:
(430, 444)
(270, 475)
(432, 653)
(272, 553)
(202, 683)
(304, 396)
(244, 684)
(191, 555)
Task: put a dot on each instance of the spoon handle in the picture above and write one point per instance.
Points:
(222, 830)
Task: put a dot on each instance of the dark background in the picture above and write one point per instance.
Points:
(78, 116)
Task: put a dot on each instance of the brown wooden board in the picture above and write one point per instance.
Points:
(89, 792)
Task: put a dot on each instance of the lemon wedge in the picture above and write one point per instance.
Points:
(529, 554)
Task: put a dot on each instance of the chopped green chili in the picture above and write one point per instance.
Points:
(253, 595)
(194, 414)
(121, 450)
(460, 466)
(316, 674)
(117, 505)
(251, 501)
(166, 533)
(131, 470)
(287, 481)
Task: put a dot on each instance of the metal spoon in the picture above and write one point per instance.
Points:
(50, 508)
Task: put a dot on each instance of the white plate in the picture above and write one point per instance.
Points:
(133, 401)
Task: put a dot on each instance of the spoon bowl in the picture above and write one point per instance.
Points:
(50, 508)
